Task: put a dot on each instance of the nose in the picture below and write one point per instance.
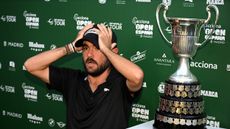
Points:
(90, 52)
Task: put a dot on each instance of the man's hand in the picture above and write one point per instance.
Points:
(104, 37)
(80, 36)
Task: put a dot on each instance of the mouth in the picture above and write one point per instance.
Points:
(90, 62)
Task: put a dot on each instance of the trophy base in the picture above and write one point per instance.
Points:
(164, 120)
(162, 125)
(180, 107)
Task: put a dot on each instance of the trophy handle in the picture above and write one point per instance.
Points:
(165, 18)
(207, 20)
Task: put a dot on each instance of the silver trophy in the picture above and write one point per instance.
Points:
(185, 40)
(181, 106)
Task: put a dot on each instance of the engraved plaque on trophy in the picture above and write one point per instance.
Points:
(182, 106)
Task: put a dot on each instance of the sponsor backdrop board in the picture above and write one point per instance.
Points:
(30, 27)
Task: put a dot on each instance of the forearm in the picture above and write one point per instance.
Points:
(128, 69)
(44, 59)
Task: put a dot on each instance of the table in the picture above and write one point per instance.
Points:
(149, 125)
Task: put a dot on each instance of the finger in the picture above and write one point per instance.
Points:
(88, 26)
(96, 30)
(110, 33)
(103, 29)
(82, 31)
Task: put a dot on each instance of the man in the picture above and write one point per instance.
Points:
(100, 97)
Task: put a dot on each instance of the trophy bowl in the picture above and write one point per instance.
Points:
(185, 35)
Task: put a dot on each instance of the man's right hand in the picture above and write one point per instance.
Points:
(80, 36)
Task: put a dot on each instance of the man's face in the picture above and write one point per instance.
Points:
(95, 62)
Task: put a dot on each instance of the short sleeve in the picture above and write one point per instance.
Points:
(126, 91)
(61, 78)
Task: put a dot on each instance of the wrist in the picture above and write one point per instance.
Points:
(69, 48)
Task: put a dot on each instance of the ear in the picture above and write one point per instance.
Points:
(115, 50)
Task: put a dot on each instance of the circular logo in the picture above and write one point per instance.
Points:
(3, 112)
(51, 122)
(53, 47)
(102, 1)
(161, 87)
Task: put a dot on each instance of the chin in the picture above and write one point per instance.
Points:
(90, 70)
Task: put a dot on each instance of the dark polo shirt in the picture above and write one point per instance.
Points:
(106, 108)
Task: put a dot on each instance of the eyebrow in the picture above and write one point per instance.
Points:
(84, 44)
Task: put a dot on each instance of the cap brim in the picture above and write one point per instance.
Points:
(79, 43)
(94, 41)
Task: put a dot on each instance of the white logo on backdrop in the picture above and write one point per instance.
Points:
(144, 85)
(216, 2)
(51, 122)
(23, 68)
(34, 118)
(204, 65)
(13, 44)
(228, 67)
(61, 124)
(32, 21)
(11, 114)
(209, 93)
(167, 2)
(213, 122)
(12, 66)
(140, 112)
(218, 36)
(144, 1)
(2, 88)
(120, 2)
(81, 21)
(52, 46)
(63, 0)
(7, 88)
(139, 56)
(29, 92)
(8, 18)
(102, 1)
(164, 61)
(114, 25)
(54, 97)
(35, 46)
(188, 0)
(3, 112)
(143, 28)
(56, 22)
(161, 87)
